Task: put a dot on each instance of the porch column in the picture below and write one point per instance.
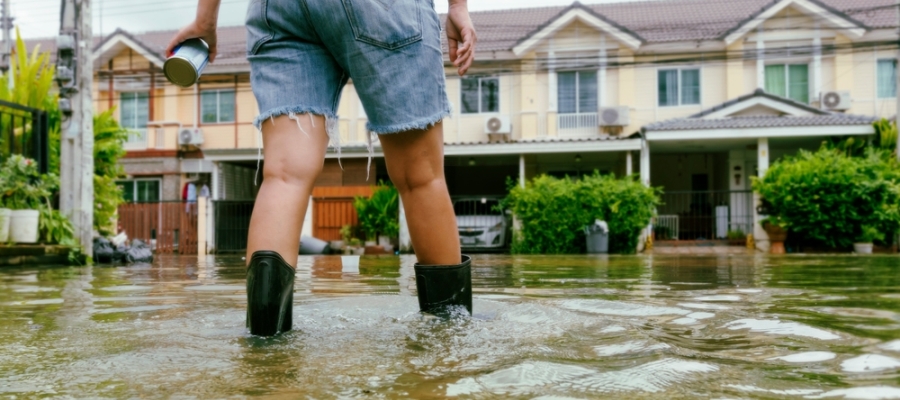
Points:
(762, 156)
(645, 162)
(760, 60)
(628, 163)
(405, 240)
(522, 171)
(202, 225)
(211, 204)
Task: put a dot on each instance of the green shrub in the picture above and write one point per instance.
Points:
(380, 213)
(827, 197)
(553, 212)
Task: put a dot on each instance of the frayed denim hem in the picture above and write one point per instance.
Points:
(419, 124)
(291, 110)
(331, 120)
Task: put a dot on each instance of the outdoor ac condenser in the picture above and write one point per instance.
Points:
(613, 116)
(190, 137)
(836, 100)
(497, 124)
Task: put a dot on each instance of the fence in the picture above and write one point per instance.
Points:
(706, 215)
(169, 227)
(24, 131)
(333, 208)
(232, 222)
(577, 124)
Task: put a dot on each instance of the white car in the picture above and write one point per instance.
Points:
(482, 224)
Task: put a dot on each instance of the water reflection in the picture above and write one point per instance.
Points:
(567, 326)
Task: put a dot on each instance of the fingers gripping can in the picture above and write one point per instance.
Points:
(187, 62)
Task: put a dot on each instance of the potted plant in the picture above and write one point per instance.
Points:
(25, 192)
(868, 234)
(777, 231)
(737, 238)
(379, 216)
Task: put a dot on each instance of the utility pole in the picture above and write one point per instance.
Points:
(75, 75)
(6, 25)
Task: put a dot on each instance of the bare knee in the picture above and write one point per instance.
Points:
(418, 178)
(291, 171)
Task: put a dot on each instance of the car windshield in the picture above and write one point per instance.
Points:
(476, 207)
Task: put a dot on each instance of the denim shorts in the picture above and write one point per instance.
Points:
(302, 53)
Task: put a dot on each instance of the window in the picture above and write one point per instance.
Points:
(577, 92)
(887, 78)
(217, 106)
(140, 190)
(788, 80)
(480, 95)
(134, 111)
(678, 87)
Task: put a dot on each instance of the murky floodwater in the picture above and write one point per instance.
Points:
(544, 327)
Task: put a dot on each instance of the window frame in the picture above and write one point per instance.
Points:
(578, 110)
(218, 93)
(480, 106)
(787, 79)
(680, 87)
(134, 190)
(138, 138)
(878, 76)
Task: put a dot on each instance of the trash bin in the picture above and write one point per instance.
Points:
(597, 236)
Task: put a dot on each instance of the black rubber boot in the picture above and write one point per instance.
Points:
(442, 286)
(270, 294)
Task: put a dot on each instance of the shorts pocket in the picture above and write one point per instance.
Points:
(390, 24)
(258, 30)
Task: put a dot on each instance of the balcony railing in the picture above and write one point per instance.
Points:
(581, 124)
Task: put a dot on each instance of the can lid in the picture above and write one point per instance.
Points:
(180, 71)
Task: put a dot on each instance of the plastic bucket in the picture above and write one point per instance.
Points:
(23, 226)
(4, 224)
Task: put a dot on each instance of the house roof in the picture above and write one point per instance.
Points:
(759, 93)
(789, 113)
(760, 121)
(653, 21)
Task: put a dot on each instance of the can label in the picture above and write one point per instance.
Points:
(187, 62)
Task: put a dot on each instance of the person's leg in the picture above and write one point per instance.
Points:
(415, 163)
(294, 156)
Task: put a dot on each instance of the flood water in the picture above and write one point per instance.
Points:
(663, 327)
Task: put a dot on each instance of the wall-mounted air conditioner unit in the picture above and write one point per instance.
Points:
(497, 128)
(190, 137)
(613, 116)
(836, 100)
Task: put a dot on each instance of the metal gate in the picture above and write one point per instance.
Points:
(704, 215)
(232, 221)
(169, 227)
(24, 131)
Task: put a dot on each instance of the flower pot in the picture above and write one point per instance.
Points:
(23, 226)
(4, 224)
(776, 233)
(862, 248)
(776, 247)
(384, 241)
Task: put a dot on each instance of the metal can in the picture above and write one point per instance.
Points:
(187, 62)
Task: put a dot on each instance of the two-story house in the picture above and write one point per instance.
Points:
(695, 96)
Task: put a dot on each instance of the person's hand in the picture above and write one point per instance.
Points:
(195, 29)
(460, 37)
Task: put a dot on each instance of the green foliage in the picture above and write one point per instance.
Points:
(21, 185)
(886, 135)
(109, 139)
(828, 197)
(736, 235)
(869, 234)
(380, 213)
(55, 227)
(32, 86)
(553, 212)
(852, 146)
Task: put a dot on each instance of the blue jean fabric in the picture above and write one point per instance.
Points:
(302, 53)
